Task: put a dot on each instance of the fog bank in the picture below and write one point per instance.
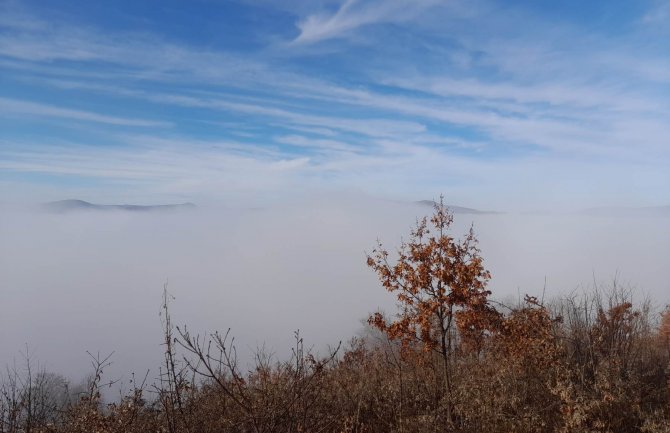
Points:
(93, 280)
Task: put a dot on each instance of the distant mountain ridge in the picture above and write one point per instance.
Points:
(457, 209)
(62, 206)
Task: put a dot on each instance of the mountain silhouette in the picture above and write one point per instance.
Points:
(63, 206)
(456, 209)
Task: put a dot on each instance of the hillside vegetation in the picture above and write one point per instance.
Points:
(450, 359)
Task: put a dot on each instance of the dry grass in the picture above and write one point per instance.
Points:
(586, 365)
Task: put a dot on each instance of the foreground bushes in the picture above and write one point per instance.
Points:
(582, 365)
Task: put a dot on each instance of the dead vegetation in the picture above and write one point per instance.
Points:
(449, 360)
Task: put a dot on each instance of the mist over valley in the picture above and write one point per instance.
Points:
(92, 281)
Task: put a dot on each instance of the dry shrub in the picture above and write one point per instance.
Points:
(612, 377)
(605, 371)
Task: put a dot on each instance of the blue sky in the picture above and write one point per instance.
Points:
(529, 105)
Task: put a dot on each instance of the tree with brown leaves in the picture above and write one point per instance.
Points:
(440, 283)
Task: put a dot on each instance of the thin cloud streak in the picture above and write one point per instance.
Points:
(14, 107)
(354, 14)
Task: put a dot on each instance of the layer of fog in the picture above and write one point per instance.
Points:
(93, 280)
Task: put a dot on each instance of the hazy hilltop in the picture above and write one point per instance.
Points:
(458, 209)
(63, 206)
(604, 211)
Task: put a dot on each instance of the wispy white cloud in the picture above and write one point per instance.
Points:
(373, 127)
(170, 168)
(559, 126)
(136, 55)
(353, 14)
(15, 107)
(320, 144)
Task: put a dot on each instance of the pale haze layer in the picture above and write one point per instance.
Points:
(92, 281)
